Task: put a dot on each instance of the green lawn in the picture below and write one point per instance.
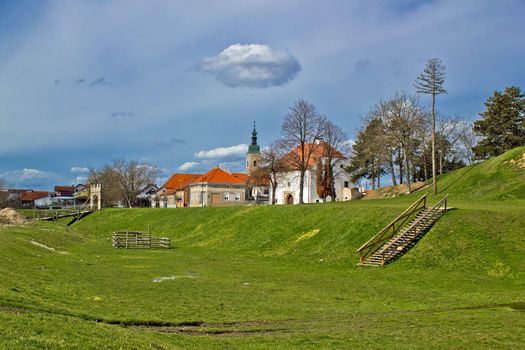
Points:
(275, 277)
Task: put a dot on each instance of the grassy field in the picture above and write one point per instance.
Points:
(275, 277)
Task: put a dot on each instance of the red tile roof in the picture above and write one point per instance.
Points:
(177, 181)
(241, 176)
(263, 180)
(64, 188)
(318, 150)
(33, 195)
(217, 175)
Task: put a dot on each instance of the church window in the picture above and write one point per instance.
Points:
(254, 163)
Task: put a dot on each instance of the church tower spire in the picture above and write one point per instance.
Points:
(254, 153)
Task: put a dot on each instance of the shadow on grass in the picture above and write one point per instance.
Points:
(444, 189)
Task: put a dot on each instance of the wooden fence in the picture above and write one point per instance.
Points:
(139, 240)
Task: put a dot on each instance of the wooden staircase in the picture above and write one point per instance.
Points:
(85, 210)
(401, 234)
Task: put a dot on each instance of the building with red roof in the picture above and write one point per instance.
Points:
(28, 198)
(174, 193)
(288, 189)
(218, 188)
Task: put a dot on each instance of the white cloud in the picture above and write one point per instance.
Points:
(253, 65)
(79, 169)
(28, 174)
(81, 179)
(188, 165)
(223, 152)
(29, 177)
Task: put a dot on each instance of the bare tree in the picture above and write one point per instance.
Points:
(387, 149)
(108, 179)
(271, 163)
(302, 125)
(467, 141)
(405, 120)
(451, 130)
(336, 142)
(123, 180)
(133, 176)
(430, 82)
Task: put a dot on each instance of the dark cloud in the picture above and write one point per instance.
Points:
(253, 65)
(80, 81)
(100, 82)
(363, 64)
(123, 113)
(170, 142)
(56, 82)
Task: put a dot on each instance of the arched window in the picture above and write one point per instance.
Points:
(254, 163)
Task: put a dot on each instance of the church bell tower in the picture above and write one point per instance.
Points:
(253, 157)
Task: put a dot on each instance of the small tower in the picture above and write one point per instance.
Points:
(253, 157)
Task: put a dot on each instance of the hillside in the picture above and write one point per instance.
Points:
(487, 197)
(275, 276)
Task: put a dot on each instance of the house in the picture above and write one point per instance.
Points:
(28, 198)
(175, 192)
(288, 188)
(144, 197)
(259, 188)
(81, 194)
(64, 191)
(218, 188)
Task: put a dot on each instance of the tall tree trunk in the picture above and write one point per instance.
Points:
(440, 163)
(301, 185)
(373, 181)
(400, 160)
(332, 182)
(425, 167)
(274, 189)
(379, 182)
(407, 172)
(434, 182)
(392, 169)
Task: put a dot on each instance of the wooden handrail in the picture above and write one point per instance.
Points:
(415, 223)
(384, 234)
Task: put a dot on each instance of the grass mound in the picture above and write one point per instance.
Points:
(275, 276)
(500, 178)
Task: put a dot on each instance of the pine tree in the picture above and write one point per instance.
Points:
(502, 126)
(430, 82)
(366, 160)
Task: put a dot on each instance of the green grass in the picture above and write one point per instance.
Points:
(275, 277)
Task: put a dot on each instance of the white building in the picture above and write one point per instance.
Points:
(288, 182)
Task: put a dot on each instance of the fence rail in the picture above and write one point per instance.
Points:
(391, 229)
(139, 240)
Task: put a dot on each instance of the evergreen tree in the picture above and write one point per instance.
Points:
(320, 179)
(502, 126)
(367, 160)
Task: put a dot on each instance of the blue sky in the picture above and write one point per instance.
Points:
(179, 83)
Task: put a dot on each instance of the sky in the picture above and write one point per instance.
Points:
(179, 83)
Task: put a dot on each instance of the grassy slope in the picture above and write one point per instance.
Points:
(289, 271)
